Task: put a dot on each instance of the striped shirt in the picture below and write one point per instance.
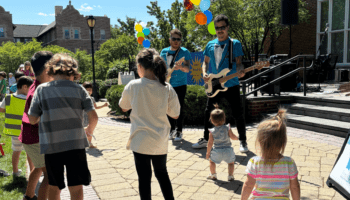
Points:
(60, 105)
(271, 183)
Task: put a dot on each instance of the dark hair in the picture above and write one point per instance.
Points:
(87, 85)
(150, 59)
(221, 17)
(176, 31)
(62, 64)
(27, 63)
(24, 80)
(217, 116)
(18, 75)
(3, 74)
(38, 61)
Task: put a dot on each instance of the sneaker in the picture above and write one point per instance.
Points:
(172, 134)
(212, 177)
(3, 173)
(17, 173)
(230, 178)
(178, 137)
(200, 144)
(243, 147)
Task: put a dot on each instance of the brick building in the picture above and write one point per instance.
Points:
(69, 30)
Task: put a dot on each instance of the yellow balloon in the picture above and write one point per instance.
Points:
(138, 28)
(196, 2)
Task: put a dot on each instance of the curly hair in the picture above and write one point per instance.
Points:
(62, 64)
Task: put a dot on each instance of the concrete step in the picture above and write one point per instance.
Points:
(332, 113)
(341, 102)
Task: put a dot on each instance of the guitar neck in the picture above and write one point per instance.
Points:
(231, 76)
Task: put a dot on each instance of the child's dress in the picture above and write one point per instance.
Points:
(273, 183)
(222, 150)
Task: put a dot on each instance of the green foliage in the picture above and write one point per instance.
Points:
(105, 85)
(113, 96)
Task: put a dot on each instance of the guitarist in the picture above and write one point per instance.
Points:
(216, 52)
(178, 80)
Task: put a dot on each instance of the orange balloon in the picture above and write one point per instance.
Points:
(140, 40)
(201, 18)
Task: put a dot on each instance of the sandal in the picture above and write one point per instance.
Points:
(28, 198)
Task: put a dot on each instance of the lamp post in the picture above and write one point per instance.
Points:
(91, 23)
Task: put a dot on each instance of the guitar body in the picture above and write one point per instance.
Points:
(213, 86)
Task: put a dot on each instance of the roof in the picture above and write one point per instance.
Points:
(47, 28)
(28, 30)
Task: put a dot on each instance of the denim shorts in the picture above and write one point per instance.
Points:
(222, 154)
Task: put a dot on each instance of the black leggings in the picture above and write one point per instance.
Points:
(144, 171)
(181, 93)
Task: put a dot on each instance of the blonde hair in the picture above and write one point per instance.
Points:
(217, 116)
(62, 64)
(272, 137)
(27, 63)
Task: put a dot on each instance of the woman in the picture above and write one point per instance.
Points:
(28, 70)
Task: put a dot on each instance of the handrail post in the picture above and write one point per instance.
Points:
(243, 99)
(304, 75)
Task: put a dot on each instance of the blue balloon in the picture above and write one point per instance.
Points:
(146, 43)
(209, 16)
(204, 5)
(146, 31)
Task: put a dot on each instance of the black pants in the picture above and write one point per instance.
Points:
(181, 92)
(144, 171)
(232, 95)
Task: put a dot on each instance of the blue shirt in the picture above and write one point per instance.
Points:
(13, 88)
(178, 77)
(217, 52)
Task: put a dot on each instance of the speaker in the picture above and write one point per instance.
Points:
(289, 12)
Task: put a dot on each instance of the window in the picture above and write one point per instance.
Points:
(103, 34)
(76, 34)
(66, 34)
(93, 34)
(2, 32)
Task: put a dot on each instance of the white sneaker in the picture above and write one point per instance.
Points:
(200, 144)
(212, 177)
(230, 178)
(172, 134)
(243, 147)
(17, 173)
(178, 137)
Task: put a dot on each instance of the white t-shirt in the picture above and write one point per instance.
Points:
(21, 96)
(150, 102)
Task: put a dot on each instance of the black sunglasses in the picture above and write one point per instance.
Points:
(221, 28)
(176, 39)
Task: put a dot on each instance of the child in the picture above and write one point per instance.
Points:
(88, 87)
(12, 80)
(151, 100)
(3, 76)
(13, 88)
(220, 136)
(59, 105)
(271, 173)
(13, 106)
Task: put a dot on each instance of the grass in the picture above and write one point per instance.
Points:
(11, 188)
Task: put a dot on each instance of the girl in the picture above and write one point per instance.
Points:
(151, 100)
(28, 70)
(272, 174)
(220, 136)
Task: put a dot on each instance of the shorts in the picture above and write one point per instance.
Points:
(222, 154)
(76, 166)
(16, 144)
(33, 151)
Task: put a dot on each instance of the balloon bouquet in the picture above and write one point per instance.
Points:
(204, 17)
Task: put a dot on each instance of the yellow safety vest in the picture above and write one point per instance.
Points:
(13, 115)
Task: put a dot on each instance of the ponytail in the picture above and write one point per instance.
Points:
(159, 68)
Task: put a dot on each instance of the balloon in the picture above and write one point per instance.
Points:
(140, 34)
(196, 2)
(205, 5)
(188, 5)
(211, 28)
(201, 19)
(146, 31)
(209, 16)
(146, 43)
(140, 40)
(138, 27)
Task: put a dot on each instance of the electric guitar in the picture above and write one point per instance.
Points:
(171, 70)
(216, 82)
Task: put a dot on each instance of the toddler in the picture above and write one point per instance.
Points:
(220, 136)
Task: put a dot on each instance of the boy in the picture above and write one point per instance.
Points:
(13, 88)
(3, 76)
(58, 108)
(88, 86)
(13, 106)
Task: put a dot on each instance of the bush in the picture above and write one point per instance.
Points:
(112, 73)
(113, 96)
(105, 85)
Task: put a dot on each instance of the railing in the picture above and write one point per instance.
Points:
(251, 79)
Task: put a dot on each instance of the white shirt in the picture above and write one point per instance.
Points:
(21, 96)
(150, 102)
(12, 81)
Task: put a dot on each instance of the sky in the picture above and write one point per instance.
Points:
(42, 12)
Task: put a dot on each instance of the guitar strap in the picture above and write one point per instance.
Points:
(173, 60)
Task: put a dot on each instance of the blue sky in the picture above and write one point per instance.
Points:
(40, 12)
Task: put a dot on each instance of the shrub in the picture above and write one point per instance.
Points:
(105, 85)
(112, 73)
(113, 96)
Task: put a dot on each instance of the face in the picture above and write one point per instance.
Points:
(10, 75)
(89, 90)
(221, 30)
(27, 67)
(175, 41)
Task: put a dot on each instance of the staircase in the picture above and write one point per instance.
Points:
(330, 116)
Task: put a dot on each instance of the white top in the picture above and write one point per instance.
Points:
(150, 102)
(21, 96)
(12, 81)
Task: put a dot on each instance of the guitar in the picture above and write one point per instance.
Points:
(216, 82)
(171, 70)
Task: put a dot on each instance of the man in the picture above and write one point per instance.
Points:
(216, 52)
(178, 77)
(30, 133)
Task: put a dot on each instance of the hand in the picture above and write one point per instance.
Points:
(208, 155)
(241, 73)
(206, 78)
(105, 105)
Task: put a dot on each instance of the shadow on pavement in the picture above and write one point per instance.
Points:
(234, 186)
(187, 146)
(94, 152)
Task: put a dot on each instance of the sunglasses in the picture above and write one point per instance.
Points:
(176, 39)
(221, 28)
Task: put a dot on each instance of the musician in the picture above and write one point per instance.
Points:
(178, 80)
(216, 52)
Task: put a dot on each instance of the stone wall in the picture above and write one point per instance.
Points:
(6, 23)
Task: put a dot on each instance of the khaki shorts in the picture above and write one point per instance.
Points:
(16, 144)
(33, 151)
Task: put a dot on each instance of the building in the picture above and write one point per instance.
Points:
(69, 30)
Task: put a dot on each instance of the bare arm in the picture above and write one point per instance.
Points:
(33, 119)
(248, 187)
(210, 145)
(231, 135)
(93, 119)
(295, 189)
(2, 110)
(98, 107)
(240, 66)
(125, 110)
(205, 68)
